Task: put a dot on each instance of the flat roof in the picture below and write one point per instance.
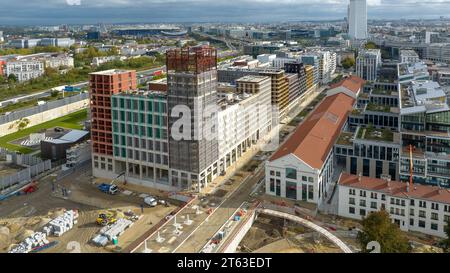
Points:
(396, 188)
(74, 135)
(111, 72)
(252, 78)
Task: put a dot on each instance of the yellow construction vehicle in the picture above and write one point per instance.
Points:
(106, 218)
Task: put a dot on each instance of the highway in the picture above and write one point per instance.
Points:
(146, 76)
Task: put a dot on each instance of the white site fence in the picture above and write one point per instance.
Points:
(33, 166)
(17, 115)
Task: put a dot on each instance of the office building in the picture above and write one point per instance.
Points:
(409, 56)
(424, 127)
(357, 20)
(368, 63)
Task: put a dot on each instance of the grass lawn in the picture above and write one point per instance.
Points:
(71, 121)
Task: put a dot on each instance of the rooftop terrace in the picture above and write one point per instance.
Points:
(371, 133)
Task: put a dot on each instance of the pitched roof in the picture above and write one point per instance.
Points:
(396, 188)
(313, 139)
(352, 83)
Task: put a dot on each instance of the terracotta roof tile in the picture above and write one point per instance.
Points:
(313, 139)
(352, 83)
(396, 188)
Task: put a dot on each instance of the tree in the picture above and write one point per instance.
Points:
(348, 62)
(446, 242)
(371, 45)
(377, 226)
(12, 78)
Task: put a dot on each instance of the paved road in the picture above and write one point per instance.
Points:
(204, 232)
(47, 93)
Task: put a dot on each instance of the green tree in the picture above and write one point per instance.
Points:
(371, 45)
(12, 78)
(446, 242)
(377, 226)
(348, 62)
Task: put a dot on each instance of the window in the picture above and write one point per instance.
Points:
(411, 212)
(411, 202)
(278, 174)
(383, 197)
(422, 204)
(310, 192)
(272, 173)
(434, 206)
(351, 201)
(434, 226)
(421, 223)
(362, 193)
(351, 192)
(447, 208)
(362, 203)
(434, 216)
(411, 222)
(366, 167)
(373, 195)
(373, 205)
(304, 178)
(422, 213)
(446, 218)
(310, 179)
(351, 210)
(353, 165)
(362, 212)
(291, 173)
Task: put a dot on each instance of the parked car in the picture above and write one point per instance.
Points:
(151, 201)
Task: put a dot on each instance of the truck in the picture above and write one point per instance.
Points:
(108, 188)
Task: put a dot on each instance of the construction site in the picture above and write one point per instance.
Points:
(275, 235)
(75, 215)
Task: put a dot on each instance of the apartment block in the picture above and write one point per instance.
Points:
(415, 207)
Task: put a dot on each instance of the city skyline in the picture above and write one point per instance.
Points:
(176, 11)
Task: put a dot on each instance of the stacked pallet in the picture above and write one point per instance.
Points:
(116, 229)
(62, 224)
(36, 240)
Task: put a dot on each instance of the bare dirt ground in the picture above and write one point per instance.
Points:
(20, 215)
(274, 235)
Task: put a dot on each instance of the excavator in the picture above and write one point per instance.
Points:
(106, 218)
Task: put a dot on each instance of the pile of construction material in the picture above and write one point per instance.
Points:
(62, 224)
(37, 239)
(111, 232)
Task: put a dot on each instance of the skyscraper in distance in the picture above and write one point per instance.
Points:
(357, 19)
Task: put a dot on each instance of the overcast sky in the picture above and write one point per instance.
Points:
(31, 12)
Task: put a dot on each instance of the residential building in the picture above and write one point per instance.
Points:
(416, 207)
(24, 70)
(103, 85)
(151, 149)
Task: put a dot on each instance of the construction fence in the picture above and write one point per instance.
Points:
(17, 115)
(33, 166)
